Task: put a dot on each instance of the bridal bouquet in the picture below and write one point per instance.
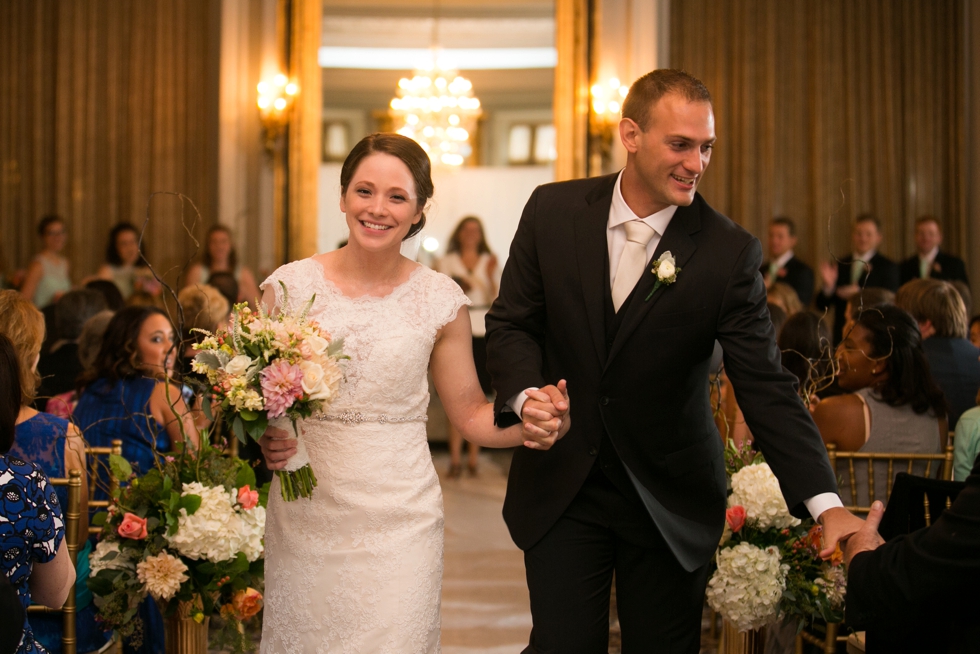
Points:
(266, 367)
(190, 530)
(768, 563)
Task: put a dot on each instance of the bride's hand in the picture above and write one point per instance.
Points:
(545, 416)
(277, 447)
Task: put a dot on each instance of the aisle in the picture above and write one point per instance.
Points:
(484, 595)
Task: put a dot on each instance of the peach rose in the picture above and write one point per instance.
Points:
(244, 604)
(132, 526)
(249, 499)
(735, 517)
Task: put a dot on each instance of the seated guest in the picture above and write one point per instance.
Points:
(893, 403)
(35, 556)
(113, 298)
(59, 367)
(864, 268)
(965, 293)
(918, 592)
(203, 308)
(55, 446)
(783, 296)
(127, 393)
(867, 298)
(975, 331)
(783, 265)
(929, 262)
(10, 607)
(219, 256)
(227, 285)
(953, 360)
(89, 343)
(967, 442)
(804, 344)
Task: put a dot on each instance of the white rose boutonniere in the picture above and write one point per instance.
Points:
(665, 268)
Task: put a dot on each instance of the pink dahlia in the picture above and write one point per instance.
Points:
(281, 386)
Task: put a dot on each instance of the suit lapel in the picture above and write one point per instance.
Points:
(677, 240)
(590, 250)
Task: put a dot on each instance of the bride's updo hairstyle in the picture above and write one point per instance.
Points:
(409, 152)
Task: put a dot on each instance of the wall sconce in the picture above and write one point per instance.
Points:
(607, 103)
(275, 100)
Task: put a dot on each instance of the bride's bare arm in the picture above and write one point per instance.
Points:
(459, 389)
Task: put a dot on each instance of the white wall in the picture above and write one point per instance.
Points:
(495, 194)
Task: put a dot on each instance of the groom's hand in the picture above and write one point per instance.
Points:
(277, 447)
(545, 416)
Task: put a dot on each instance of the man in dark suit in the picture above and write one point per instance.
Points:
(929, 262)
(783, 265)
(863, 268)
(621, 285)
(918, 593)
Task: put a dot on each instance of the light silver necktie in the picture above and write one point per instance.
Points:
(633, 260)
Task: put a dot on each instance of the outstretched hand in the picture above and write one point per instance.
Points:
(545, 416)
(838, 525)
(277, 447)
(867, 537)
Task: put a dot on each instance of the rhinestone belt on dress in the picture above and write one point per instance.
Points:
(356, 418)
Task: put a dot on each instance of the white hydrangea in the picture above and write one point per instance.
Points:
(218, 530)
(756, 488)
(120, 561)
(747, 586)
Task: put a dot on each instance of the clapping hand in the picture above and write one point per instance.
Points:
(545, 416)
(866, 538)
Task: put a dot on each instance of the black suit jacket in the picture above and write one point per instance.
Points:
(647, 388)
(883, 274)
(954, 365)
(798, 275)
(946, 266)
(930, 573)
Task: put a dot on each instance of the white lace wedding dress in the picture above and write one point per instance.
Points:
(357, 568)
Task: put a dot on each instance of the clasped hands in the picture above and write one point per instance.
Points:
(545, 416)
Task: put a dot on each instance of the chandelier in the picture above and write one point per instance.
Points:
(437, 109)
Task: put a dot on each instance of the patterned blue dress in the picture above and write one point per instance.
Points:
(31, 530)
(41, 440)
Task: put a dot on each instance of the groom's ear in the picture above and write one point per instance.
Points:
(628, 131)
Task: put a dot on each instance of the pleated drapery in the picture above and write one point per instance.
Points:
(826, 110)
(103, 104)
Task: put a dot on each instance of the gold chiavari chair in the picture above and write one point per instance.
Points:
(72, 515)
(896, 462)
(93, 454)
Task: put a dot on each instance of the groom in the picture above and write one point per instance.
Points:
(637, 487)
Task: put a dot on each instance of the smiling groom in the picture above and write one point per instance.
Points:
(621, 285)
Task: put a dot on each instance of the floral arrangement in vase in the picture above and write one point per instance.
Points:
(267, 367)
(188, 531)
(768, 565)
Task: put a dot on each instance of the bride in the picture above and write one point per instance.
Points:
(358, 566)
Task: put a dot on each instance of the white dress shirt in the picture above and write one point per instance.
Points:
(619, 213)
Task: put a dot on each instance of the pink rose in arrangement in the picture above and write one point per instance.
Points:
(735, 517)
(132, 526)
(248, 498)
(281, 386)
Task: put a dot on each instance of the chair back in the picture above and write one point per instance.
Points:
(72, 515)
(939, 465)
(98, 457)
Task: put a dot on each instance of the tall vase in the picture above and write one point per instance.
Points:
(742, 642)
(183, 634)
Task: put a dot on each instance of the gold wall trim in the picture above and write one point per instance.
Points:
(571, 103)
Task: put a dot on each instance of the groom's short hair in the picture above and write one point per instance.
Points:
(656, 84)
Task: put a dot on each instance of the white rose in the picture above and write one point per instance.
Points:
(666, 269)
(238, 365)
(318, 344)
(313, 380)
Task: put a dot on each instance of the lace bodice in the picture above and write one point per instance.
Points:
(358, 566)
(388, 339)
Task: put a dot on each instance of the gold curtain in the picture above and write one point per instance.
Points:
(101, 105)
(826, 110)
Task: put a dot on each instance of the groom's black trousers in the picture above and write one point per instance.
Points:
(570, 571)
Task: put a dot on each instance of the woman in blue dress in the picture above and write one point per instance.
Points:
(55, 446)
(33, 554)
(128, 395)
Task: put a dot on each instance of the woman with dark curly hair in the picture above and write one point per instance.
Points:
(128, 393)
(894, 404)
